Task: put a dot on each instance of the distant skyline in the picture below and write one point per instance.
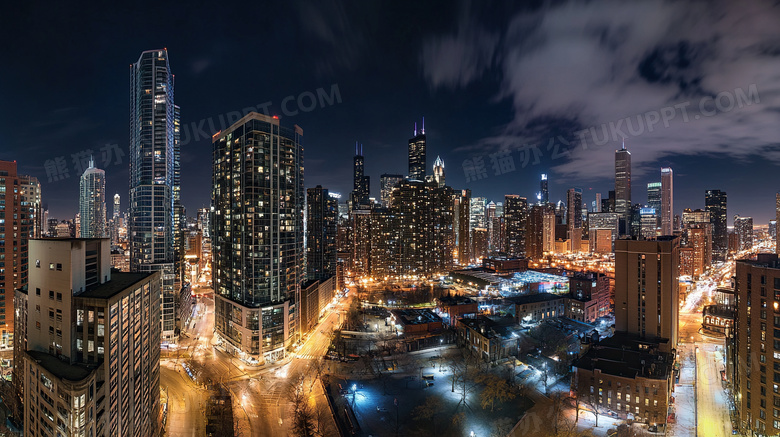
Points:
(488, 77)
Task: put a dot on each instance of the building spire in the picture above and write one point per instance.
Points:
(415, 128)
(423, 126)
(91, 161)
(624, 143)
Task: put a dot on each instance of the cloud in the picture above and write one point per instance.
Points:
(585, 64)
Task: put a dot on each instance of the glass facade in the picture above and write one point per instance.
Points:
(257, 230)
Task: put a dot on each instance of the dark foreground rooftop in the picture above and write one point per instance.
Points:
(59, 368)
(119, 281)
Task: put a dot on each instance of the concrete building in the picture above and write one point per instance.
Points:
(667, 201)
(486, 338)
(89, 359)
(646, 289)
(599, 222)
(515, 223)
(743, 230)
(540, 234)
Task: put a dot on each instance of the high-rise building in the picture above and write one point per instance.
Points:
(647, 223)
(417, 146)
(540, 236)
(462, 215)
(597, 203)
(477, 214)
(544, 189)
(515, 223)
(602, 221)
(361, 184)
(623, 188)
(715, 204)
(743, 229)
(386, 184)
(89, 345)
(574, 218)
(654, 199)
(321, 218)
(92, 202)
(646, 288)
(204, 219)
(153, 163)
(20, 205)
(257, 236)
(777, 220)
(667, 201)
(438, 171)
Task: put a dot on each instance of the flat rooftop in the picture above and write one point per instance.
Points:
(415, 316)
(119, 282)
(627, 356)
(61, 369)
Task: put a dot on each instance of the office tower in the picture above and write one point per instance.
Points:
(152, 165)
(623, 188)
(715, 204)
(361, 184)
(608, 204)
(603, 221)
(480, 238)
(117, 206)
(540, 235)
(515, 223)
(463, 214)
(597, 203)
(647, 223)
(654, 199)
(574, 218)
(92, 202)
(386, 184)
(321, 218)
(20, 203)
(257, 250)
(667, 201)
(544, 190)
(88, 345)
(438, 171)
(490, 220)
(477, 213)
(698, 222)
(77, 223)
(204, 215)
(635, 223)
(646, 288)
(743, 229)
(417, 147)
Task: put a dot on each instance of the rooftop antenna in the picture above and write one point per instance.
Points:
(415, 128)
(423, 126)
(624, 143)
(356, 148)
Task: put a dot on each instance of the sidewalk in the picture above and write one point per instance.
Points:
(684, 394)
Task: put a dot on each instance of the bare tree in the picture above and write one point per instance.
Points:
(496, 389)
(591, 401)
(502, 427)
(428, 410)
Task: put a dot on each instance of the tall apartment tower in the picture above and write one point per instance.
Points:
(88, 344)
(646, 288)
(777, 220)
(321, 217)
(438, 171)
(515, 223)
(417, 146)
(257, 236)
(540, 235)
(462, 216)
(743, 229)
(92, 202)
(20, 205)
(574, 218)
(361, 184)
(623, 188)
(544, 190)
(754, 346)
(715, 202)
(153, 163)
(667, 201)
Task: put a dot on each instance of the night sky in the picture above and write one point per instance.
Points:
(513, 88)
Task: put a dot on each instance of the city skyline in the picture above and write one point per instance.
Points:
(209, 101)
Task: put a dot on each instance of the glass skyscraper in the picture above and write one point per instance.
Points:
(257, 236)
(623, 188)
(92, 202)
(154, 165)
(417, 154)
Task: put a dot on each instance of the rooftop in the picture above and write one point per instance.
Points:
(627, 356)
(455, 300)
(120, 281)
(59, 368)
(487, 326)
(415, 316)
(534, 298)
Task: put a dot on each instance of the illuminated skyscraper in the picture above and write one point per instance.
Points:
(92, 202)
(438, 171)
(541, 231)
(515, 222)
(361, 184)
(543, 189)
(623, 188)
(417, 146)
(743, 229)
(667, 201)
(574, 218)
(654, 199)
(257, 235)
(386, 184)
(153, 166)
(321, 218)
(462, 215)
(647, 219)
